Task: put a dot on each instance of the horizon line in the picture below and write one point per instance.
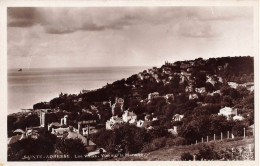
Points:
(79, 67)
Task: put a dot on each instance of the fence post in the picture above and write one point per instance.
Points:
(202, 139)
(232, 152)
(214, 137)
(244, 133)
(194, 157)
(196, 142)
(221, 136)
(227, 134)
(207, 138)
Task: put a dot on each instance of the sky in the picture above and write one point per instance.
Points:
(45, 37)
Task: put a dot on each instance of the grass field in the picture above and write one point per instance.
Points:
(175, 152)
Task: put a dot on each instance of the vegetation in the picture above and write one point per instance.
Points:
(207, 80)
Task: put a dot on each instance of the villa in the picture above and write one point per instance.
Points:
(228, 112)
(130, 117)
(177, 117)
(153, 95)
(113, 122)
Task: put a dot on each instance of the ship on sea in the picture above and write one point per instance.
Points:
(20, 70)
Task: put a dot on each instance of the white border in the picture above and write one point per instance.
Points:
(81, 3)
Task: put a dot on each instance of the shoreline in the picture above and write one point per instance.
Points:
(67, 88)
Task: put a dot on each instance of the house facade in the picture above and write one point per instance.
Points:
(228, 112)
(113, 122)
(130, 117)
(153, 95)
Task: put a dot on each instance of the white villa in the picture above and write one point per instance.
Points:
(233, 84)
(153, 95)
(238, 117)
(228, 112)
(211, 80)
(167, 96)
(112, 122)
(63, 122)
(193, 96)
(60, 131)
(200, 90)
(173, 131)
(139, 123)
(177, 117)
(130, 117)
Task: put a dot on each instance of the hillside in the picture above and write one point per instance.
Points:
(156, 110)
(175, 152)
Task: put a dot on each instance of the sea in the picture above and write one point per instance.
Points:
(30, 86)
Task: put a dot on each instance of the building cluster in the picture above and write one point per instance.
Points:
(130, 117)
(121, 116)
(61, 130)
(249, 85)
(230, 113)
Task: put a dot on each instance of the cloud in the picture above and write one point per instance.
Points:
(195, 28)
(21, 23)
(21, 16)
(69, 20)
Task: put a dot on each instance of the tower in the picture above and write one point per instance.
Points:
(42, 118)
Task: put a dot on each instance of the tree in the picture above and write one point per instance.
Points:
(200, 79)
(186, 156)
(29, 121)
(225, 90)
(238, 128)
(207, 152)
(71, 147)
(118, 111)
(219, 124)
(158, 131)
(209, 87)
(169, 111)
(131, 138)
(29, 146)
(11, 120)
(227, 101)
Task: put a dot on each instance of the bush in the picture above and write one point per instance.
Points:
(176, 141)
(157, 143)
(186, 157)
(71, 147)
(238, 128)
(207, 152)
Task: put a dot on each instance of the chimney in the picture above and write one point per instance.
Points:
(52, 131)
(88, 131)
(65, 119)
(110, 103)
(175, 129)
(61, 121)
(88, 136)
(49, 126)
(83, 131)
(78, 127)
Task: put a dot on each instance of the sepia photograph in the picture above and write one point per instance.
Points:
(131, 83)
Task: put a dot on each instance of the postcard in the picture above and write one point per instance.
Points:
(157, 83)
